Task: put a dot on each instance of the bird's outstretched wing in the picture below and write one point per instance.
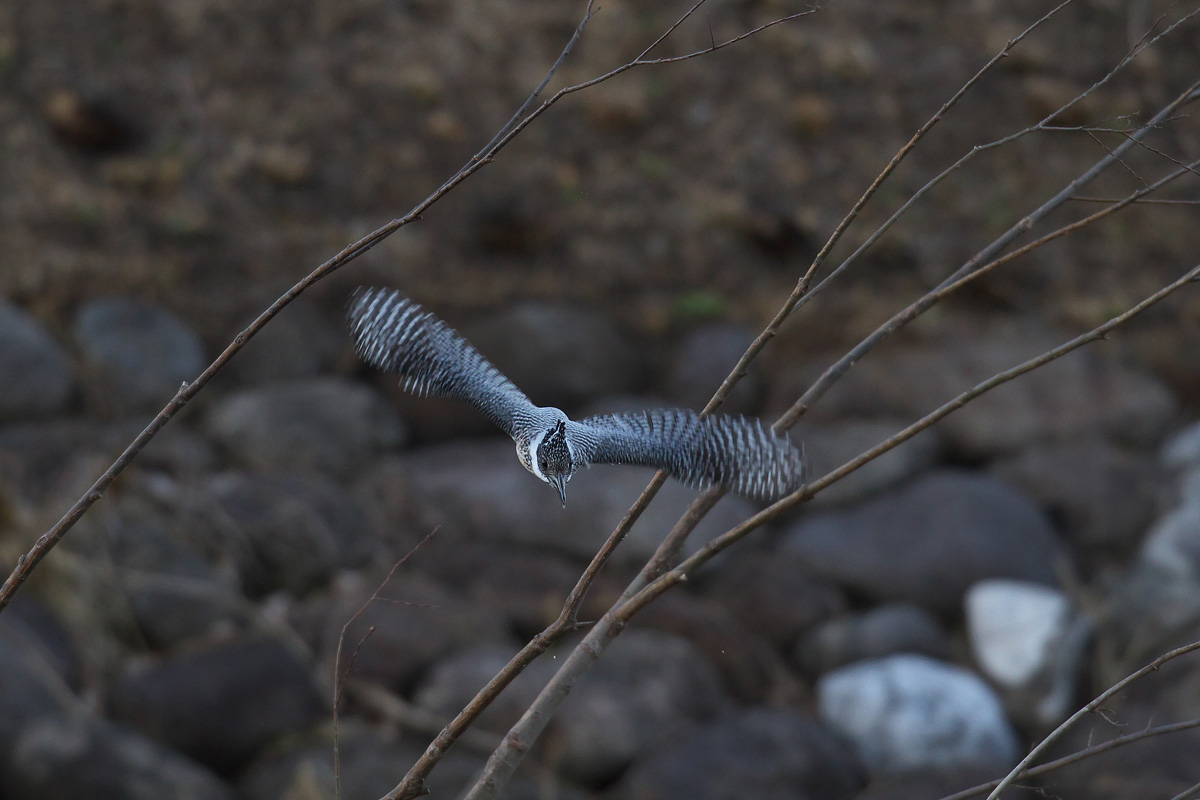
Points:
(736, 453)
(395, 334)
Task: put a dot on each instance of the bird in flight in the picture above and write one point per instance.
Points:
(394, 334)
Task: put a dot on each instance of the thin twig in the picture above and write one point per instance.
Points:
(413, 784)
(979, 261)
(1081, 755)
(29, 561)
(1101, 698)
(722, 542)
(504, 760)
(339, 678)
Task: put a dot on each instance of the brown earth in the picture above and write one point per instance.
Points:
(208, 153)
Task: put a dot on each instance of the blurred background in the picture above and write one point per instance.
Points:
(169, 168)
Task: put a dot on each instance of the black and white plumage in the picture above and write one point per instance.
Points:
(395, 334)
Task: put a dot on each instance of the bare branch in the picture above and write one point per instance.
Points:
(980, 261)
(1082, 755)
(704, 554)
(1097, 702)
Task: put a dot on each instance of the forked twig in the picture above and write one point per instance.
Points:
(520, 737)
(1082, 755)
(1101, 698)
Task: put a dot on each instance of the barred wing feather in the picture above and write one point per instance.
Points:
(395, 334)
(736, 453)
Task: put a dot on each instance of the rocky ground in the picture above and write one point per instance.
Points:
(169, 168)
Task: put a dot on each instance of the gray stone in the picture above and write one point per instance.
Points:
(28, 690)
(761, 754)
(774, 595)
(1103, 496)
(527, 585)
(300, 342)
(35, 371)
(1182, 448)
(557, 354)
(172, 593)
(701, 362)
(882, 631)
(285, 532)
(454, 680)
(1173, 543)
(483, 489)
(647, 688)
(371, 763)
(1148, 611)
(908, 712)
(135, 355)
(1083, 393)
(322, 425)
(928, 541)
(222, 703)
(396, 638)
(829, 445)
(751, 670)
(69, 756)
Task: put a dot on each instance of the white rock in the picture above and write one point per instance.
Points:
(908, 712)
(1014, 628)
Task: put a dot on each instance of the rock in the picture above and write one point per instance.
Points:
(928, 541)
(927, 783)
(1080, 395)
(68, 756)
(1149, 611)
(829, 445)
(29, 690)
(558, 355)
(759, 753)
(281, 531)
(299, 343)
(751, 669)
(774, 595)
(1182, 448)
(370, 765)
(170, 590)
(646, 688)
(882, 631)
(171, 611)
(1173, 543)
(482, 489)
(1028, 641)
(222, 703)
(527, 586)
(454, 680)
(35, 371)
(1104, 497)
(908, 712)
(415, 622)
(701, 362)
(135, 355)
(329, 426)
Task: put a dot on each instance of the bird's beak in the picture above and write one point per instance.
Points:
(560, 482)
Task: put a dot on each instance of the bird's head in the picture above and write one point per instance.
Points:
(548, 455)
